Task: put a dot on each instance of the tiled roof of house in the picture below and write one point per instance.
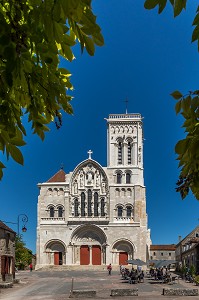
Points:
(5, 227)
(171, 247)
(58, 177)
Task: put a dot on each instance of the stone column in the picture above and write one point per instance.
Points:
(90, 252)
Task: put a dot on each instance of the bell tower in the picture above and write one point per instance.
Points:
(125, 142)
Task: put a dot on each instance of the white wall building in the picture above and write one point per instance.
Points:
(97, 215)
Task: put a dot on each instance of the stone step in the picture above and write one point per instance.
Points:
(72, 267)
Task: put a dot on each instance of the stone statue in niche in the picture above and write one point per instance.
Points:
(75, 187)
(81, 178)
(103, 187)
(97, 178)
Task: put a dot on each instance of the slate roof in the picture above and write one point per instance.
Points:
(5, 227)
(171, 247)
(58, 177)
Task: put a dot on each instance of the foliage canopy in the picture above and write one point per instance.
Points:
(34, 35)
(23, 256)
(188, 107)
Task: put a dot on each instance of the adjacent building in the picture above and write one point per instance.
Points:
(7, 253)
(162, 252)
(187, 251)
(96, 215)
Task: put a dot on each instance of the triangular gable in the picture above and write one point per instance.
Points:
(58, 177)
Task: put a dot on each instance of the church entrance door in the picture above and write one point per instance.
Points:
(56, 258)
(84, 255)
(123, 257)
(96, 255)
(58, 261)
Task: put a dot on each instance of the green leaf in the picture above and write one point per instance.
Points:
(181, 146)
(178, 6)
(150, 4)
(178, 107)
(176, 95)
(90, 47)
(15, 153)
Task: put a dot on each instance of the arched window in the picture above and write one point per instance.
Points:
(119, 211)
(52, 212)
(129, 153)
(102, 208)
(128, 178)
(82, 204)
(76, 204)
(128, 211)
(60, 212)
(89, 203)
(119, 178)
(119, 153)
(96, 204)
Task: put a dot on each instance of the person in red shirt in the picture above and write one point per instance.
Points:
(109, 268)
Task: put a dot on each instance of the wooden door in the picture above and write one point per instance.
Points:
(84, 255)
(96, 255)
(123, 257)
(56, 258)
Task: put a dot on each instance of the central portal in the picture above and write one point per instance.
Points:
(89, 245)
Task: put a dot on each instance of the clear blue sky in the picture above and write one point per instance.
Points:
(146, 56)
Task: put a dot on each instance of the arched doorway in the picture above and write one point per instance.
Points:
(89, 245)
(55, 251)
(122, 251)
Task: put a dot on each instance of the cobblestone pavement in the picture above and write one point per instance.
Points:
(56, 285)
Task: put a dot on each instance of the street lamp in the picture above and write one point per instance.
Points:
(24, 219)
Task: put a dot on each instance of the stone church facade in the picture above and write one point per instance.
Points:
(96, 215)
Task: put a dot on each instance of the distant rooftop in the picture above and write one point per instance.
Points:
(171, 247)
(58, 177)
(5, 227)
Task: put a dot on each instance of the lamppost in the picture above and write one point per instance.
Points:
(24, 219)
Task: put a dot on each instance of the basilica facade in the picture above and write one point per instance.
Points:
(96, 215)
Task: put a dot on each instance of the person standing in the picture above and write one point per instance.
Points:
(109, 268)
(30, 266)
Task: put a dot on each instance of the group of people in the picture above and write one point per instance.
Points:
(160, 274)
(133, 276)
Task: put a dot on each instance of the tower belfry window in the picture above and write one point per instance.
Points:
(119, 178)
(119, 153)
(89, 203)
(82, 204)
(129, 153)
(128, 178)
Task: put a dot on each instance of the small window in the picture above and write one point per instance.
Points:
(128, 211)
(52, 212)
(169, 254)
(60, 212)
(154, 254)
(161, 254)
(119, 178)
(197, 235)
(119, 211)
(128, 178)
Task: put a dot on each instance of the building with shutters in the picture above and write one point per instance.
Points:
(96, 215)
(7, 253)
